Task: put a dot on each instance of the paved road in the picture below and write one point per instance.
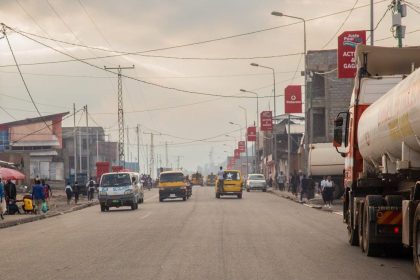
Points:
(261, 236)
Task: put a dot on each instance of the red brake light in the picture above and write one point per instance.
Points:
(396, 230)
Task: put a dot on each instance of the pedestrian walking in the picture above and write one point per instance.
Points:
(280, 181)
(294, 183)
(47, 192)
(220, 179)
(38, 195)
(69, 192)
(322, 189)
(2, 200)
(90, 186)
(304, 187)
(329, 191)
(76, 191)
(270, 180)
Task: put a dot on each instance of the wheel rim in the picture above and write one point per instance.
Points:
(365, 233)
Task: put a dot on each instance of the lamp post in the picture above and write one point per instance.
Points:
(246, 140)
(257, 140)
(274, 143)
(307, 97)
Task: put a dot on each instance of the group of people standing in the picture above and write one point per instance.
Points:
(75, 190)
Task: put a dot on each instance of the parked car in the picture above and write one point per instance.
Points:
(256, 182)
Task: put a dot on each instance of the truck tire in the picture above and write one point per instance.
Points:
(240, 196)
(360, 224)
(133, 206)
(102, 208)
(217, 195)
(184, 198)
(353, 236)
(416, 241)
(368, 247)
(394, 200)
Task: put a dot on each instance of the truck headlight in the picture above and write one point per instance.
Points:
(128, 191)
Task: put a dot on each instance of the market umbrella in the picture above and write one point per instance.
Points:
(12, 174)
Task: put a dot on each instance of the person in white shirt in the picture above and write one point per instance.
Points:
(69, 192)
(220, 178)
(329, 191)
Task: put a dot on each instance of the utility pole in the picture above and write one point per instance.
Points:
(87, 143)
(372, 41)
(74, 143)
(166, 155)
(399, 11)
(138, 147)
(121, 157)
(128, 146)
(152, 156)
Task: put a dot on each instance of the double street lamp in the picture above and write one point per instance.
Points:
(274, 144)
(257, 120)
(307, 97)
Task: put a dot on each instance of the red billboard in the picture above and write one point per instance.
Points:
(252, 134)
(241, 146)
(292, 99)
(266, 121)
(346, 61)
(236, 154)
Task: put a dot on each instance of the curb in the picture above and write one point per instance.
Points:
(46, 216)
(313, 206)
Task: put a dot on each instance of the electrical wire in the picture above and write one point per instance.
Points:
(137, 79)
(21, 75)
(39, 103)
(333, 37)
(120, 53)
(388, 8)
(10, 115)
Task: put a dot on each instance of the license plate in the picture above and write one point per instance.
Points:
(115, 201)
(172, 195)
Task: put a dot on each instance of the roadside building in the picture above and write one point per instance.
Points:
(33, 145)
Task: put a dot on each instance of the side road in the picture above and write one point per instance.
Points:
(315, 203)
(58, 206)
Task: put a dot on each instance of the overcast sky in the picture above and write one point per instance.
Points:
(138, 25)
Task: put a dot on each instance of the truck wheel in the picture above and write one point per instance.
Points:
(240, 196)
(416, 241)
(360, 224)
(184, 198)
(353, 235)
(217, 195)
(133, 206)
(368, 247)
(102, 208)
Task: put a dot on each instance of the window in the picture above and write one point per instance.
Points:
(318, 123)
(318, 85)
(84, 144)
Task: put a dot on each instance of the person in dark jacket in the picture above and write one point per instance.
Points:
(38, 195)
(76, 191)
(10, 192)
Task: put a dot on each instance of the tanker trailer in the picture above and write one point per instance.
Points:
(324, 161)
(379, 138)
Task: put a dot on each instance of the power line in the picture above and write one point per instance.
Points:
(137, 79)
(28, 101)
(121, 53)
(21, 76)
(10, 115)
(341, 26)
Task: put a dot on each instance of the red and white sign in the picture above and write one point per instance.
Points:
(241, 146)
(346, 61)
(252, 134)
(236, 154)
(266, 121)
(292, 99)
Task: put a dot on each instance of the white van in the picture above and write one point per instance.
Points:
(118, 189)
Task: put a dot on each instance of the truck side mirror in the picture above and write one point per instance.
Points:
(338, 131)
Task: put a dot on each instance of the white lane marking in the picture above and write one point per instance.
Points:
(145, 216)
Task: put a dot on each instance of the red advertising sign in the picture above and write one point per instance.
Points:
(346, 61)
(292, 99)
(236, 154)
(266, 121)
(252, 134)
(241, 146)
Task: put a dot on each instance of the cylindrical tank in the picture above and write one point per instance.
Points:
(324, 160)
(391, 120)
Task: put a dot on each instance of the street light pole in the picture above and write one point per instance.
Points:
(274, 143)
(257, 140)
(246, 140)
(307, 97)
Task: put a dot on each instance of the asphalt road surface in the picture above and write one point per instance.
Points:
(260, 236)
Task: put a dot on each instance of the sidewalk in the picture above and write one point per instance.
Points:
(316, 203)
(58, 206)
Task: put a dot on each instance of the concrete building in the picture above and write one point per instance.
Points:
(91, 147)
(327, 95)
(34, 145)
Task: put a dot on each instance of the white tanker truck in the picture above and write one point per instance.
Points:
(379, 137)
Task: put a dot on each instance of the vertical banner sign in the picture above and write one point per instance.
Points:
(252, 134)
(241, 146)
(292, 99)
(266, 118)
(236, 154)
(346, 59)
